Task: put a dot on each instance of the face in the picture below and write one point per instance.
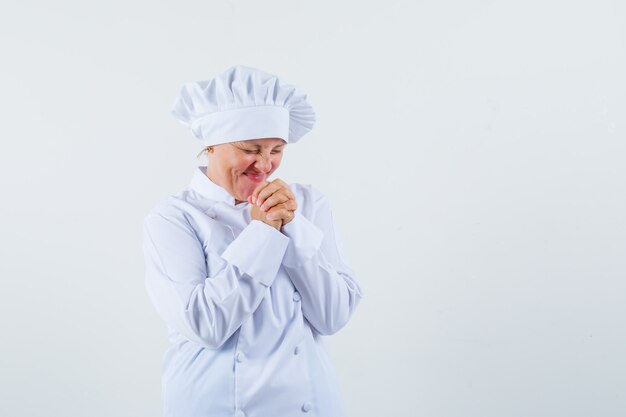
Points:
(239, 167)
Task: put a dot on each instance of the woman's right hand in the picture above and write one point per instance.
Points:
(257, 214)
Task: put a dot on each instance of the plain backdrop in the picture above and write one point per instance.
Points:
(474, 153)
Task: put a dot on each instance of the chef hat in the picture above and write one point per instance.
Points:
(243, 103)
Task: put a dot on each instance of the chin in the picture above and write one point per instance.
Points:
(243, 196)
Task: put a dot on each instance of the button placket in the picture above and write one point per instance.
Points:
(239, 357)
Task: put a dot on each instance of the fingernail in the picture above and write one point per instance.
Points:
(253, 200)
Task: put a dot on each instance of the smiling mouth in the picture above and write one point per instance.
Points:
(254, 177)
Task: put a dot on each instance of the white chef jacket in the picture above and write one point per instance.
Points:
(245, 304)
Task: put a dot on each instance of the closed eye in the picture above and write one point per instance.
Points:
(247, 151)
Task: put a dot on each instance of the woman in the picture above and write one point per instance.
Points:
(247, 273)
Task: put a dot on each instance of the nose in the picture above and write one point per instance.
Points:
(263, 163)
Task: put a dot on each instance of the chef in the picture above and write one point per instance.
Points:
(247, 273)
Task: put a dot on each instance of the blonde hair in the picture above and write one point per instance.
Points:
(204, 150)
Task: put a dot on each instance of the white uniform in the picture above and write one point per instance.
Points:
(245, 304)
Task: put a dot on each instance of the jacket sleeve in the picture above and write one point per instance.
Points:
(206, 299)
(319, 270)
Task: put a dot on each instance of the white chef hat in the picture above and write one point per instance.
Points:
(243, 103)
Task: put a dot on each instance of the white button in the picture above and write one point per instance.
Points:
(296, 350)
(296, 296)
(306, 407)
(240, 413)
(239, 357)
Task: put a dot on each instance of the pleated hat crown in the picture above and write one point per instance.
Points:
(243, 103)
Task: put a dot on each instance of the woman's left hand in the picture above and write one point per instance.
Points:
(276, 199)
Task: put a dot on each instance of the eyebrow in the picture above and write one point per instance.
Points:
(259, 146)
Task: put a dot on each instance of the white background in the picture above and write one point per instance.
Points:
(474, 153)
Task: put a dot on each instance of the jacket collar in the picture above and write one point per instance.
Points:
(201, 184)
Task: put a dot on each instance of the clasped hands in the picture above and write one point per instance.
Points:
(273, 203)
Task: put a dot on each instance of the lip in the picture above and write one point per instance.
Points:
(256, 178)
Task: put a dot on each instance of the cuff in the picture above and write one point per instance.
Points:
(305, 240)
(258, 251)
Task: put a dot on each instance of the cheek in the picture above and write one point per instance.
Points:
(276, 161)
(244, 163)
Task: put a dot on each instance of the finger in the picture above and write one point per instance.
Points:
(258, 188)
(281, 182)
(288, 204)
(277, 185)
(276, 198)
(291, 205)
(286, 188)
(270, 189)
(280, 212)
